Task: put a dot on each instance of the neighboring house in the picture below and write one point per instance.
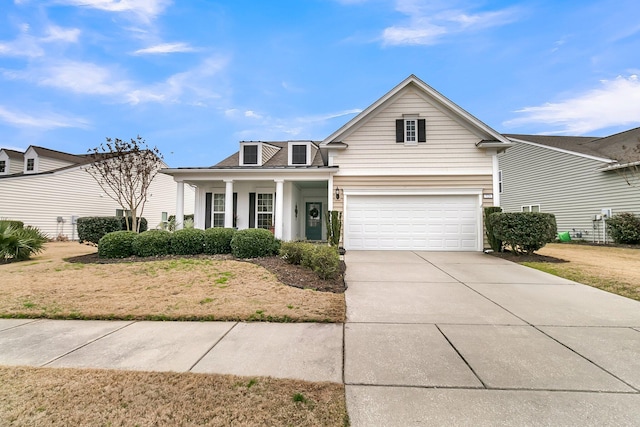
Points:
(49, 189)
(578, 179)
(412, 171)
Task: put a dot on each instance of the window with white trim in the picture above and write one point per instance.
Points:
(531, 208)
(218, 210)
(31, 165)
(500, 182)
(410, 130)
(264, 210)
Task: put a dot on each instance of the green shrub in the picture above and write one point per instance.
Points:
(253, 243)
(524, 232)
(93, 228)
(218, 240)
(13, 223)
(142, 221)
(494, 242)
(117, 244)
(624, 228)
(334, 227)
(293, 252)
(324, 261)
(188, 241)
(151, 243)
(19, 243)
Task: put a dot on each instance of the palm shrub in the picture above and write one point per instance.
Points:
(151, 243)
(218, 240)
(624, 228)
(254, 243)
(19, 243)
(524, 232)
(188, 241)
(494, 242)
(12, 222)
(117, 244)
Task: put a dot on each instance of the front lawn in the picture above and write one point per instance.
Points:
(89, 397)
(613, 269)
(171, 289)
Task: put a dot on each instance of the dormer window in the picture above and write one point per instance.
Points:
(31, 165)
(298, 154)
(250, 155)
(3, 166)
(410, 130)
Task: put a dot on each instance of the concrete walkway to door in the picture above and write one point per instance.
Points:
(464, 338)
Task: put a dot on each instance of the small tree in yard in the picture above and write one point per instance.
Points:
(125, 170)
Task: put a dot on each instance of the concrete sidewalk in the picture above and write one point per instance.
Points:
(305, 351)
(469, 339)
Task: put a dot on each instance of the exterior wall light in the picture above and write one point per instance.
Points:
(337, 193)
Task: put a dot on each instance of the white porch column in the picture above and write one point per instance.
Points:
(279, 213)
(330, 193)
(180, 206)
(228, 203)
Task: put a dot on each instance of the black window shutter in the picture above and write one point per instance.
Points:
(400, 130)
(422, 130)
(252, 210)
(207, 210)
(235, 209)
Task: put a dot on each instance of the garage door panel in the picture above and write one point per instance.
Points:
(412, 222)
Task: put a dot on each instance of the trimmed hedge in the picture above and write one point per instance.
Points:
(624, 228)
(188, 241)
(323, 260)
(142, 220)
(254, 243)
(117, 244)
(152, 243)
(93, 228)
(524, 232)
(494, 242)
(218, 240)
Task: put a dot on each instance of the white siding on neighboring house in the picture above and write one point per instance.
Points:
(38, 200)
(450, 146)
(46, 164)
(569, 186)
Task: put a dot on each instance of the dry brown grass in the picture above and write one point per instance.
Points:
(613, 269)
(177, 289)
(73, 397)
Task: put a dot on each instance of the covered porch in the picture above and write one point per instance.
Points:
(291, 203)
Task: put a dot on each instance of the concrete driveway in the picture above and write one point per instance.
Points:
(453, 338)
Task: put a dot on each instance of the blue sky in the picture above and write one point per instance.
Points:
(195, 77)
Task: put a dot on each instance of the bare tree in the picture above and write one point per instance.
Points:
(125, 170)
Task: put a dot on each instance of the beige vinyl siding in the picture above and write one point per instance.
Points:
(569, 186)
(449, 146)
(46, 164)
(39, 199)
(372, 183)
(268, 151)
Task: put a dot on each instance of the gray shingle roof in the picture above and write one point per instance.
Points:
(279, 160)
(623, 147)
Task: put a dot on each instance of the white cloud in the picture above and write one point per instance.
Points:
(146, 10)
(252, 114)
(31, 46)
(165, 48)
(615, 103)
(430, 22)
(45, 120)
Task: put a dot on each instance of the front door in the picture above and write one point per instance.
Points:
(313, 222)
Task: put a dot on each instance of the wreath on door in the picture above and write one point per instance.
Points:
(314, 212)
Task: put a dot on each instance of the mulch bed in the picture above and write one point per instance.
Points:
(513, 257)
(289, 274)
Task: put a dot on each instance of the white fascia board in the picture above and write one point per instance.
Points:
(447, 103)
(616, 166)
(562, 150)
(194, 175)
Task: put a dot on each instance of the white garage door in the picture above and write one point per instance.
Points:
(444, 223)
